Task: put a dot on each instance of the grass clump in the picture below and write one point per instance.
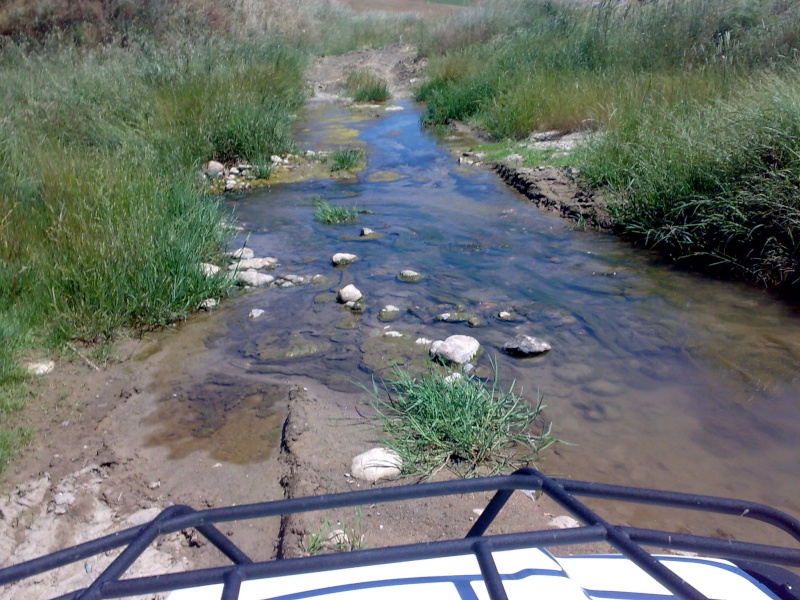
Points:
(346, 159)
(331, 214)
(365, 86)
(434, 423)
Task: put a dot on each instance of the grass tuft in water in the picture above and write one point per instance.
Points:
(365, 86)
(462, 424)
(346, 159)
(330, 214)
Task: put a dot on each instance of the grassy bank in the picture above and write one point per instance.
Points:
(696, 102)
(109, 109)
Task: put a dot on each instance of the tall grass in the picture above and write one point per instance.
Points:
(697, 102)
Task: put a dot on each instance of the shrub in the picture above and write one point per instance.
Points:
(346, 159)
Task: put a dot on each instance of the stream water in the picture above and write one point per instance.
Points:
(657, 377)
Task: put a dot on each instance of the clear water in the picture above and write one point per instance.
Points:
(658, 377)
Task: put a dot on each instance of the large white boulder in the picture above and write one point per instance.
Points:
(349, 293)
(375, 464)
(458, 349)
(343, 258)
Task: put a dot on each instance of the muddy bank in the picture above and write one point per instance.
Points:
(553, 189)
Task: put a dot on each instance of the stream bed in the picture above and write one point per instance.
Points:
(657, 377)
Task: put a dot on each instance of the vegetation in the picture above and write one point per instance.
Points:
(696, 102)
(346, 159)
(330, 214)
(109, 109)
(365, 86)
(433, 422)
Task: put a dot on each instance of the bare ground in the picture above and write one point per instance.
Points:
(116, 444)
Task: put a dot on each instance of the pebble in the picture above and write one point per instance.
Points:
(349, 293)
(40, 368)
(255, 313)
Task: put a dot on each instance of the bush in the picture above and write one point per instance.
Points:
(461, 424)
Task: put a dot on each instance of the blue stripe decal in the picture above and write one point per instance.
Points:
(461, 583)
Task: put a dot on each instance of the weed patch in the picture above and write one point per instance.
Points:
(346, 159)
(434, 423)
(365, 86)
(330, 214)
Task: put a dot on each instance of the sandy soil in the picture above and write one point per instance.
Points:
(116, 444)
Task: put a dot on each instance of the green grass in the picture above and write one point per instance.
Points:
(346, 159)
(432, 423)
(696, 102)
(365, 86)
(331, 214)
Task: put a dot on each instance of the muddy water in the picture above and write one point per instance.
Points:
(659, 378)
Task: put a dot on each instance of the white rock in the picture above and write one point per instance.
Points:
(343, 258)
(235, 171)
(504, 314)
(268, 262)
(563, 522)
(243, 253)
(255, 313)
(459, 349)
(338, 537)
(40, 368)
(209, 269)
(423, 341)
(525, 345)
(214, 169)
(253, 278)
(453, 377)
(365, 231)
(393, 334)
(349, 293)
(390, 308)
(275, 159)
(230, 185)
(208, 303)
(375, 464)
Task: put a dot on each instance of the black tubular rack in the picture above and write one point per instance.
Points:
(627, 540)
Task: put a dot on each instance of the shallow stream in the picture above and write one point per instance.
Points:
(658, 377)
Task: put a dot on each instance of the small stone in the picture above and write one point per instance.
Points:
(343, 258)
(40, 368)
(375, 464)
(349, 293)
(275, 159)
(389, 313)
(458, 349)
(209, 270)
(525, 345)
(504, 315)
(214, 169)
(393, 108)
(208, 304)
(235, 171)
(253, 278)
(392, 334)
(337, 537)
(410, 276)
(453, 377)
(230, 185)
(563, 522)
(243, 253)
(255, 313)
(423, 341)
(366, 231)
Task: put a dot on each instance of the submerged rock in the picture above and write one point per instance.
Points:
(366, 232)
(410, 276)
(255, 313)
(375, 464)
(389, 313)
(460, 317)
(349, 293)
(343, 258)
(458, 349)
(525, 345)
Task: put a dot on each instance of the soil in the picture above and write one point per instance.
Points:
(116, 443)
